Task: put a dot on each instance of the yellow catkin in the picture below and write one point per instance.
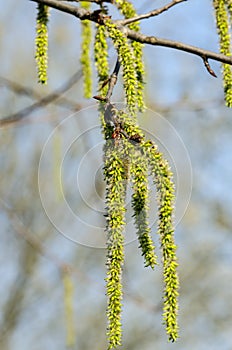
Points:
(140, 203)
(57, 151)
(41, 43)
(69, 308)
(162, 177)
(229, 7)
(128, 11)
(222, 22)
(115, 174)
(126, 58)
(86, 33)
(102, 66)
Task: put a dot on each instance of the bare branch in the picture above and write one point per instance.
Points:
(33, 94)
(150, 14)
(209, 69)
(43, 102)
(78, 12)
(152, 40)
(113, 80)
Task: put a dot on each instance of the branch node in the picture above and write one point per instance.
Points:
(207, 66)
(100, 98)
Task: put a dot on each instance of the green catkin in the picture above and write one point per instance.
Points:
(229, 7)
(69, 307)
(138, 170)
(137, 156)
(129, 124)
(139, 66)
(102, 67)
(222, 22)
(128, 11)
(57, 160)
(101, 57)
(129, 158)
(126, 58)
(140, 203)
(115, 172)
(165, 196)
(41, 42)
(85, 59)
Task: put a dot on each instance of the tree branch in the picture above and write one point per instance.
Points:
(113, 80)
(209, 69)
(43, 102)
(150, 14)
(78, 12)
(150, 40)
(109, 109)
(33, 94)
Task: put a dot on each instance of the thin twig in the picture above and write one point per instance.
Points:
(113, 81)
(209, 69)
(33, 94)
(109, 108)
(150, 14)
(59, 5)
(43, 102)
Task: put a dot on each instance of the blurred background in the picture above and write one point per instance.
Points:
(52, 189)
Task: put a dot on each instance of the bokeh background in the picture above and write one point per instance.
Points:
(52, 189)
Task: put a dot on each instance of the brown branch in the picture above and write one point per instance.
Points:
(113, 80)
(209, 69)
(78, 12)
(109, 109)
(150, 40)
(33, 94)
(43, 102)
(150, 14)
(155, 41)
